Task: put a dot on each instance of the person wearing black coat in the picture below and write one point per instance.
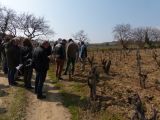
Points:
(27, 51)
(41, 65)
(13, 54)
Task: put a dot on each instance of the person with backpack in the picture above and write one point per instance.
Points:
(83, 55)
(72, 55)
(60, 55)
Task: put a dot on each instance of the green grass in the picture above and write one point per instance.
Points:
(74, 103)
(70, 94)
(51, 74)
(75, 98)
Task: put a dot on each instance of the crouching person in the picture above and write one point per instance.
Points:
(41, 65)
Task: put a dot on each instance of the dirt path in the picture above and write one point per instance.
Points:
(3, 83)
(50, 108)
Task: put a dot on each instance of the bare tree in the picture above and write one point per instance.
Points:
(81, 36)
(154, 36)
(151, 35)
(34, 27)
(13, 27)
(122, 33)
(138, 35)
(7, 16)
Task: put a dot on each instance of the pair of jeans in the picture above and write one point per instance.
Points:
(40, 78)
(70, 61)
(11, 75)
(27, 76)
(60, 64)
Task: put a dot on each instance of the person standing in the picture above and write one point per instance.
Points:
(0, 49)
(13, 54)
(72, 55)
(27, 51)
(4, 46)
(41, 65)
(83, 55)
(60, 58)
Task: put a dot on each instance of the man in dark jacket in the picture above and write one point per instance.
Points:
(27, 51)
(13, 54)
(41, 65)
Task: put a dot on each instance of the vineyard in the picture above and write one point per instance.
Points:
(130, 85)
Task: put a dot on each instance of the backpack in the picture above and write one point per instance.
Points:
(58, 50)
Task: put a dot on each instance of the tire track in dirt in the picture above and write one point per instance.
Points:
(50, 108)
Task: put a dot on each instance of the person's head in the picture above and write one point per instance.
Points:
(27, 43)
(18, 41)
(7, 38)
(59, 40)
(64, 41)
(70, 40)
(45, 44)
(12, 42)
(82, 43)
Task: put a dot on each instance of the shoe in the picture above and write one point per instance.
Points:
(65, 73)
(14, 84)
(60, 78)
(30, 87)
(41, 96)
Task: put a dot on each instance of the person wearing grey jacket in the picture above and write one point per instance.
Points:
(72, 55)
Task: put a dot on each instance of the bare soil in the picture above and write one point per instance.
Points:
(50, 108)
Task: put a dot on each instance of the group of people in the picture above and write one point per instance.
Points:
(19, 56)
(69, 52)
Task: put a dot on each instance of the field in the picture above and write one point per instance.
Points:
(115, 89)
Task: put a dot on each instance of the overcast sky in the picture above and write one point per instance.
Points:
(96, 17)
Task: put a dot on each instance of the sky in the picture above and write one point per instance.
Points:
(96, 17)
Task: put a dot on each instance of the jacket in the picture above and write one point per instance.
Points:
(72, 50)
(40, 59)
(27, 57)
(13, 54)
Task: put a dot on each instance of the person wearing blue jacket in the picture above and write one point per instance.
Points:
(83, 55)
